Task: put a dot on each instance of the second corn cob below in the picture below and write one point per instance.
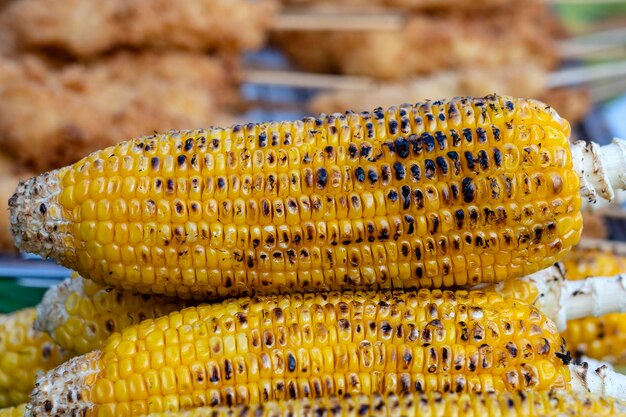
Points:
(79, 314)
(281, 347)
(23, 353)
(441, 193)
(506, 404)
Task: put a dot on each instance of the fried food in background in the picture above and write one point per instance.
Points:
(51, 117)
(573, 103)
(430, 42)
(594, 226)
(89, 27)
(411, 5)
(514, 81)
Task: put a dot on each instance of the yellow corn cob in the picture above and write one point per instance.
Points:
(585, 262)
(17, 411)
(289, 346)
(437, 194)
(510, 404)
(80, 314)
(23, 353)
(597, 337)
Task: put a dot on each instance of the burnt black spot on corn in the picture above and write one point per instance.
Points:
(467, 161)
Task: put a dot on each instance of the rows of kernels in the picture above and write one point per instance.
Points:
(521, 404)
(93, 313)
(485, 186)
(583, 263)
(23, 353)
(602, 337)
(282, 347)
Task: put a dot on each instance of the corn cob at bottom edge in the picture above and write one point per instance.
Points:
(17, 411)
(23, 353)
(511, 404)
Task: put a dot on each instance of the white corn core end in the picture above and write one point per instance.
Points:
(51, 310)
(598, 378)
(594, 296)
(550, 283)
(65, 390)
(601, 169)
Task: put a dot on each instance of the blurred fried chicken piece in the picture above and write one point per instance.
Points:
(429, 43)
(88, 27)
(50, 118)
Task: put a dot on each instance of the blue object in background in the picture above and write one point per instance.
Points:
(615, 117)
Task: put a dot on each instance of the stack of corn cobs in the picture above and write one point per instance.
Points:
(399, 262)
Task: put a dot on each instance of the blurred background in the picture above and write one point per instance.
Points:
(79, 75)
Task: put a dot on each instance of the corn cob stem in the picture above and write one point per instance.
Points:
(601, 169)
(599, 379)
(561, 299)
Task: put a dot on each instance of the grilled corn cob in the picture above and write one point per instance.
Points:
(520, 403)
(17, 411)
(441, 193)
(23, 353)
(289, 346)
(79, 314)
(601, 337)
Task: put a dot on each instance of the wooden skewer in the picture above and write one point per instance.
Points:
(339, 21)
(586, 73)
(560, 78)
(307, 80)
(347, 21)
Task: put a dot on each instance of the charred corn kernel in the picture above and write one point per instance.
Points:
(310, 345)
(80, 314)
(597, 337)
(24, 352)
(18, 411)
(435, 182)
